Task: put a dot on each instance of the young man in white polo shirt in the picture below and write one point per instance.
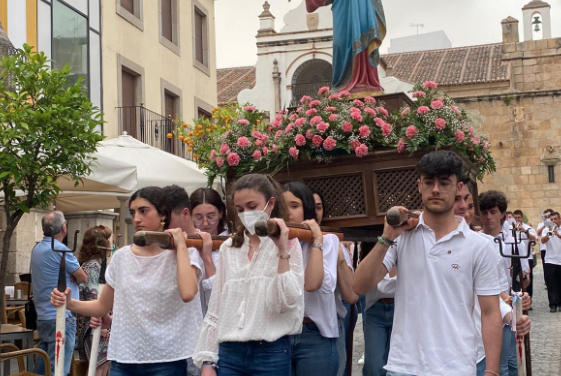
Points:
(552, 266)
(443, 267)
(540, 232)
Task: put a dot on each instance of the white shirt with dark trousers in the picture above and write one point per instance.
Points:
(434, 331)
(552, 270)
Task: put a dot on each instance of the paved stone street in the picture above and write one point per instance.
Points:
(545, 334)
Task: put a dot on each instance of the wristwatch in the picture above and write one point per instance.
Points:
(318, 245)
(210, 364)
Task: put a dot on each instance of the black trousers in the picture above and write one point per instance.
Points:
(542, 252)
(530, 288)
(553, 277)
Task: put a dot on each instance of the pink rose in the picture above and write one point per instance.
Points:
(317, 140)
(309, 134)
(299, 122)
(481, 159)
(471, 130)
(322, 126)
(358, 102)
(383, 111)
(386, 130)
(354, 144)
(233, 159)
(275, 149)
(249, 108)
(323, 90)
(219, 162)
(330, 108)
(278, 134)
(333, 97)
(370, 111)
(299, 109)
(400, 146)
(405, 112)
(361, 150)
(293, 117)
(293, 152)
(265, 150)
(282, 112)
(212, 154)
(370, 100)
(411, 131)
(288, 128)
(460, 136)
(347, 126)
(243, 142)
(311, 112)
(423, 110)
(259, 143)
(344, 94)
(300, 140)
(356, 116)
(429, 85)
(329, 143)
(256, 154)
(315, 120)
(333, 117)
(476, 139)
(440, 124)
(456, 109)
(275, 123)
(243, 122)
(364, 131)
(305, 99)
(379, 122)
(224, 148)
(256, 134)
(485, 147)
(419, 94)
(437, 104)
(315, 103)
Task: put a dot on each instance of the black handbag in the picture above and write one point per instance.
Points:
(30, 312)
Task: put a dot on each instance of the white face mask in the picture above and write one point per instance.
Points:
(249, 218)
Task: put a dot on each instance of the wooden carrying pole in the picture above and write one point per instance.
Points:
(96, 333)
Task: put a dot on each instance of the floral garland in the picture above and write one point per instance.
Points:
(238, 137)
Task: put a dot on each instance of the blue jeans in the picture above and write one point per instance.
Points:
(505, 351)
(377, 324)
(313, 354)
(47, 331)
(341, 347)
(177, 368)
(254, 358)
(481, 366)
(512, 364)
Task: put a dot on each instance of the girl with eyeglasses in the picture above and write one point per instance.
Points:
(257, 298)
(208, 213)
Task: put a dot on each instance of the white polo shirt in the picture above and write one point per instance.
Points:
(540, 225)
(553, 250)
(434, 331)
(525, 241)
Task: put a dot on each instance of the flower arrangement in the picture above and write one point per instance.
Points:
(332, 124)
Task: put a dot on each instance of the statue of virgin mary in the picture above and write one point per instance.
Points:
(359, 26)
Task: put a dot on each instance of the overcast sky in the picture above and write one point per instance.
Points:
(465, 22)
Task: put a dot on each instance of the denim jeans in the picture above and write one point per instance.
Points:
(47, 331)
(192, 370)
(313, 354)
(377, 324)
(254, 358)
(512, 364)
(177, 368)
(343, 340)
(481, 366)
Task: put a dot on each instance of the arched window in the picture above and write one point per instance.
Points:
(309, 77)
(537, 27)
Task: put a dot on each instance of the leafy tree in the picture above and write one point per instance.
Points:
(47, 130)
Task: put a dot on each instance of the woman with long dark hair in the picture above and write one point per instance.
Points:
(153, 292)
(256, 301)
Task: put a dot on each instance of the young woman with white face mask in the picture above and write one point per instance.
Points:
(257, 299)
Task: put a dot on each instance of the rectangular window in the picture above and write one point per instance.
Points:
(70, 42)
(167, 19)
(200, 38)
(551, 174)
(203, 114)
(129, 101)
(128, 5)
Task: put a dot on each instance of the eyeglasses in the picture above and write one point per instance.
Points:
(444, 185)
(211, 219)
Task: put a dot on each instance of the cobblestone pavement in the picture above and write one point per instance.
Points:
(545, 335)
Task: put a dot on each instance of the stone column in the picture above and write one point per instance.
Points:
(277, 84)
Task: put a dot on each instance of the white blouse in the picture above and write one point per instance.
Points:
(151, 323)
(251, 301)
(208, 282)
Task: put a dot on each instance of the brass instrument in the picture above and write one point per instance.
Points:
(551, 230)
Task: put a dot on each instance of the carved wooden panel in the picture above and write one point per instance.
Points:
(397, 187)
(343, 195)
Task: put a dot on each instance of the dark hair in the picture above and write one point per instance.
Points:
(468, 184)
(157, 197)
(322, 203)
(554, 213)
(209, 196)
(268, 187)
(490, 199)
(305, 194)
(440, 163)
(95, 243)
(518, 212)
(508, 212)
(550, 211)
(178, 198)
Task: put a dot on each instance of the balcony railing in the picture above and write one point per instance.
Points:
(299, 90)
(151, 128)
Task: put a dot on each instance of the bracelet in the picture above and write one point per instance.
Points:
(281, 256)
(491, 372)
(318, 246)
(215, 366)
(385, 241)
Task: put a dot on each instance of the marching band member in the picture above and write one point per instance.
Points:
(552, 266)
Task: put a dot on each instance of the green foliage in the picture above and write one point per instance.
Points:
(48, 129)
